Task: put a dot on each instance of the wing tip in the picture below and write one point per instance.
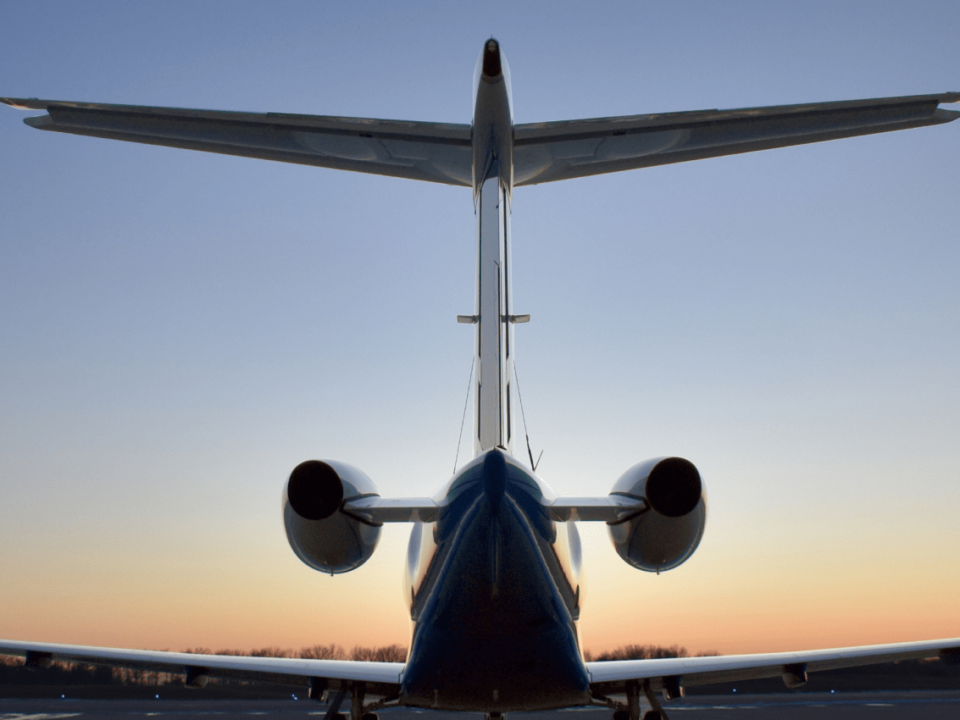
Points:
(24, 103)
(40, 122)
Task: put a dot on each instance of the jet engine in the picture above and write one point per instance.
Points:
(665, 533)
(321, 533)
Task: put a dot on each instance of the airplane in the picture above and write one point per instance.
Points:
(494, 558)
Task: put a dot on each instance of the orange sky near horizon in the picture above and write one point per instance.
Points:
(731, 597)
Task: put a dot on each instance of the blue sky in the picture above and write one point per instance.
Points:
(181, 329)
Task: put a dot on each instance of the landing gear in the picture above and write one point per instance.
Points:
(656, 712)
(356, 701)
(496, 716)
(333, 710)
(631, 711)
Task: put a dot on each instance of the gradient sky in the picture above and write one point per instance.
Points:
(178, 330)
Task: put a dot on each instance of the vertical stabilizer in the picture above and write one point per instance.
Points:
(494, 331)
(492, 139)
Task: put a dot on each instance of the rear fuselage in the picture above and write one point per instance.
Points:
(494, 593)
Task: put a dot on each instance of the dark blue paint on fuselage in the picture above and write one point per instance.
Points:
(495, 616)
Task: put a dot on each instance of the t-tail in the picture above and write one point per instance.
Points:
(492, 192)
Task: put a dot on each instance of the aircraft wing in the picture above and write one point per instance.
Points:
(612, 677)
(436, 152)
(379, 678)
(544, 152)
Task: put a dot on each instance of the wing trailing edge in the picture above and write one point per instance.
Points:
(380, 678)
(612, 677)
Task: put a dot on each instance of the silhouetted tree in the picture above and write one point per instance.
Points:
(640, 652)
(390, 653)
(323, 652)
(272, 652)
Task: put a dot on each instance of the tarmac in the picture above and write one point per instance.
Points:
(928, 705)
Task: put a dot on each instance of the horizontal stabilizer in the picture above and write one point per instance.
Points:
(442, 152)
(436, 152)
(545, 152)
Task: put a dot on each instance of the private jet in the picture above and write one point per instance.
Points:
(494, 558)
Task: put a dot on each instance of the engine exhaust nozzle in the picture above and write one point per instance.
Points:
(315, 490)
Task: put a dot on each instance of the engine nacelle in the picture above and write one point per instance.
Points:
(319, 531)
(669, 530)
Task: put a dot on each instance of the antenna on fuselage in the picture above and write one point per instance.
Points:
(467, 402)
(526, 432)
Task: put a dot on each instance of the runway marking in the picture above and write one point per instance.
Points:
(37, 716)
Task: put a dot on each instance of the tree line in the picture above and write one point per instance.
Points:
(643, 652)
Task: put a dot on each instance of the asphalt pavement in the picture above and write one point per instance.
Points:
(928, 705)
